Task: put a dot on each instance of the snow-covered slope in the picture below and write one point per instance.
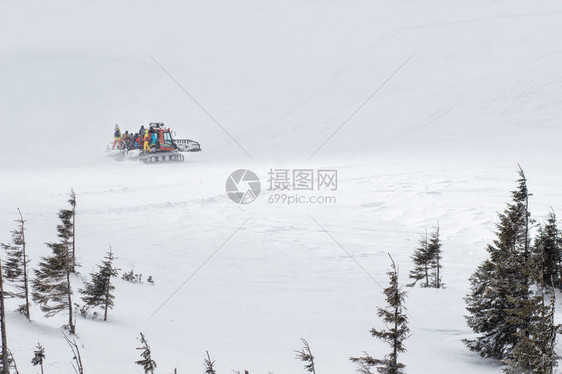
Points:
(440, 141)
(279, 278)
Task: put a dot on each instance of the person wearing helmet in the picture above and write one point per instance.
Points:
(117, 137)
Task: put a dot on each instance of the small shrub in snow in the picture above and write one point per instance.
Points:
(305, 355)
(39, 357)
(147, 363)
(77, 364)
(132, 277)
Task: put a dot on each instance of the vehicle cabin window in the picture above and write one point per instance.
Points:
(167, 137)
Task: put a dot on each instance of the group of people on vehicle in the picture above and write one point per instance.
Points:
(145, 139)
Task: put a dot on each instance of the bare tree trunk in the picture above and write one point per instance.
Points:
(106, 306)
(78, 367)
(73, 232)
(70, 268)
(5, 352)
(425, 265)
(396, 311)
(71, 325)
(25, 278)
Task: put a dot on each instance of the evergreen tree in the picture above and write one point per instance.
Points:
(39, 357)
(99, 291)
(67, 229)
(395, 319)
(534, 351)
(305, 355)
(209, 365)
(422, 263)
(549, 361)
(548, 252)
(15, 267)
(435, 254)
(5, 356)
(147, 363)
(501, 281)
(51, 287)
(427, 261)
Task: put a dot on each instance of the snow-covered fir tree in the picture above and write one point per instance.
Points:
(396, 322)
(15, 266)
(39, 357)
(147, 363)
(99, 291)
(427, 261)
(51, 287)
(534, 351)
(549, 336)
(435, 254)
(67, 229)
(501, 282)
(548, 252)
(422, 263)
(305, 355)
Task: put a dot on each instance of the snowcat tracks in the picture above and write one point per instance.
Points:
(153, 158)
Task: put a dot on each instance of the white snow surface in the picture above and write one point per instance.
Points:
(440, 141)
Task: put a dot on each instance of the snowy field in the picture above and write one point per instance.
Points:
(439, 142)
